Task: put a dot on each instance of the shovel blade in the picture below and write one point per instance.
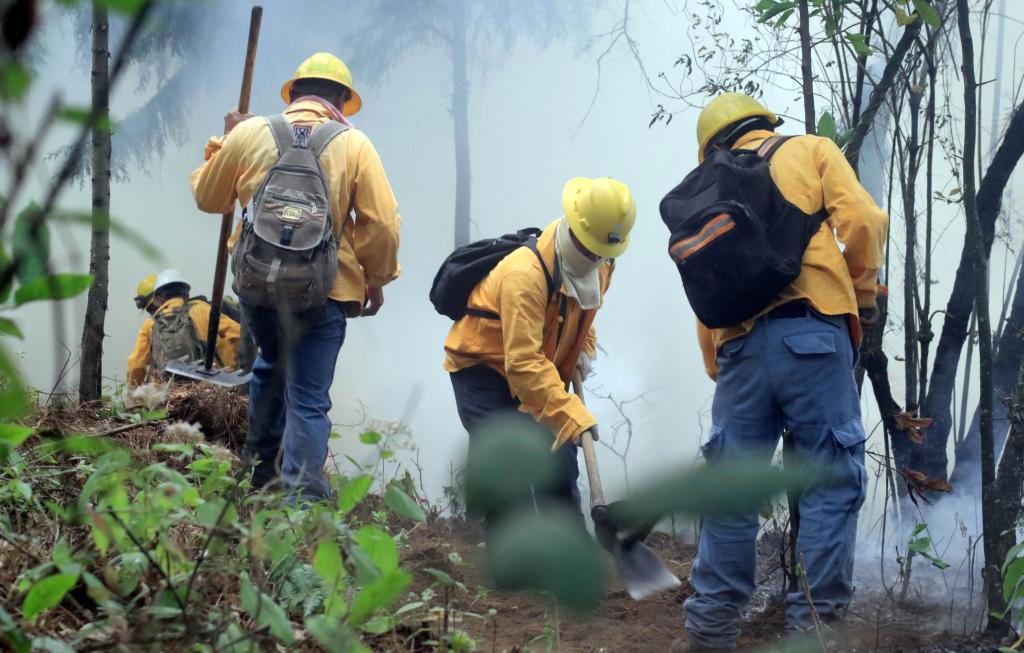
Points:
(198, 371)
(641, 571)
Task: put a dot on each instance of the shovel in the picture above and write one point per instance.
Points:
(641, 571)
(204, 371)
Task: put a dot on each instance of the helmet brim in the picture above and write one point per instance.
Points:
(350, 108)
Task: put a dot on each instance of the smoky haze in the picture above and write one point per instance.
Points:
(526, 141)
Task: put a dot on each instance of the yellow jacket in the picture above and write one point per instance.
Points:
(813, 174)
(367, 245)
(228, 337)
(522, 345)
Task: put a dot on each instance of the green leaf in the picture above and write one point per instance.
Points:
(10, 328)
(127, 7)
(902, 19)
(80, 116)
(379, 546)
(132, 236)
(333, 635)
(32, 252)
(265, 612)
(55, 287)
(370, 437)
(353, 493)
(774, 10)
(442, 577)
(378, 593)
(827, 126)
(403, 505)
(14, 401)
(328, 563)
(927, 12)
(15, 80)
(46, 594)
(12, 435)
(50, 645)
(508, 460)
(13, 634)
(859, 43)
(549, 552)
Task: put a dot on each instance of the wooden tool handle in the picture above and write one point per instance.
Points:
(589, 454)
(227, 221)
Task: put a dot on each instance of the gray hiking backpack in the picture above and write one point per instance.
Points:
(287, 255)
(174, 336)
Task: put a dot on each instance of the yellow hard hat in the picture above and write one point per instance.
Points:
(146, 286)
(324, 65)
(724, 110)
(601, 213)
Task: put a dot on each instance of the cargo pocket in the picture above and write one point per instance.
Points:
(810, 344)
(712, 449)
(849, 474)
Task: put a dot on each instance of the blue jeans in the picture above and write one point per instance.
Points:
(789, 373)
(482, 394)
(289, 395)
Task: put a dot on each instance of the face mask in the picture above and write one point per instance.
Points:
(579, 273)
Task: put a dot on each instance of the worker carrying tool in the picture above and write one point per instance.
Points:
(302, 262)
(780, 307)
(144, 294)
(176, 328)
(524, 306)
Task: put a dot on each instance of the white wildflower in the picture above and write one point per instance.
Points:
(184, 431)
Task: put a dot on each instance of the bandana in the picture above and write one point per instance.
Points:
(332, 111)
(579, 273)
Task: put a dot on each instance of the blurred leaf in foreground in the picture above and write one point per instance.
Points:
(509, 460)
(721, 489)
(549, 551)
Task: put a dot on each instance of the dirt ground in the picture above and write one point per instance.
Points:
(525, 622)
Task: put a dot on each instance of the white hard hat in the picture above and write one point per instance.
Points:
(167, 277)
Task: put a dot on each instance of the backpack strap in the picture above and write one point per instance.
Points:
(282, 131)
(770, 146)
(551, 283)
(323, 135)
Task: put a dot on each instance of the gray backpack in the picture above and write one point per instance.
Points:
(174, 336)
(287, 255)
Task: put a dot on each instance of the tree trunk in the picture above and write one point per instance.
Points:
(805, 68)
(460, 117)
(881, 90)
(90, 384)
(966, 469)
(1010, 479)
(910, 343)
(934, 460)
(989, 501)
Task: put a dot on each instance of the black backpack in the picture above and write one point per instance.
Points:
(736, 240)
(467, 266)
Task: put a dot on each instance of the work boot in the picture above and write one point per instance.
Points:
(681, 645)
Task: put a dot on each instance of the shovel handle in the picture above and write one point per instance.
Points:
(589, 454)
(227, 221)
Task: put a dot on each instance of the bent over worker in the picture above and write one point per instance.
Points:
(519, 344)
(177, 328)
(289, 398)
(790, 367)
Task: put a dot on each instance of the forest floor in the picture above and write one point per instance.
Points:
(527, 622)
(497, 620)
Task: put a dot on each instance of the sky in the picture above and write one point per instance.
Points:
(528, 137)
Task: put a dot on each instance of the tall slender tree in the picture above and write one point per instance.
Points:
(475, 35)
(90, 380)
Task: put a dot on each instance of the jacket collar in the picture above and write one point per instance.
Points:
(170, 305)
